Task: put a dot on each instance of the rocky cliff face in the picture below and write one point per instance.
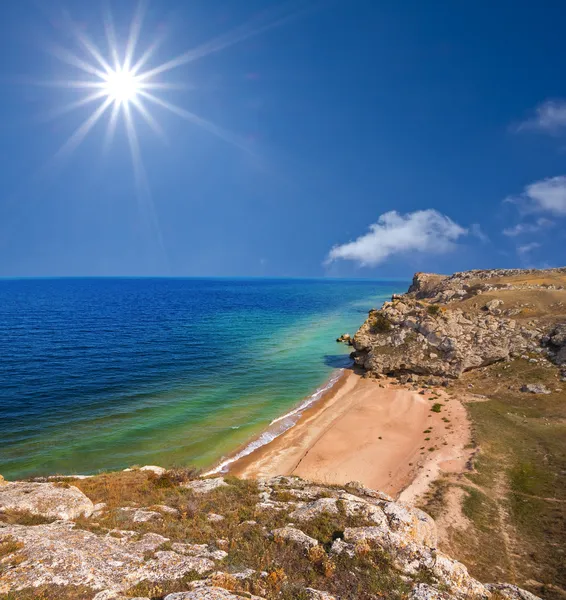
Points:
(215, 539)
(445, 326)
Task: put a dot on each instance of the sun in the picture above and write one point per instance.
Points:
(121, 85)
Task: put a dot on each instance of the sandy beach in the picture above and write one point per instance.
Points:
(376, 432)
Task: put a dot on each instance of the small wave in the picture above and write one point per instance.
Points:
(282, 424)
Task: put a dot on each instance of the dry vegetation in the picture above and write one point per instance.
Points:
(513, 526)
(243, 533)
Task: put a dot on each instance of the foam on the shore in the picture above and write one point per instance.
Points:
(279, 425)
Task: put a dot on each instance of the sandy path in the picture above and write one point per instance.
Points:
(371, 433)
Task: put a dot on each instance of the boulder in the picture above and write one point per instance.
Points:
(154, 469)
(423, 591)
(313, 509)
(296, 536)
(535, 388)
(313, 594)
(50, 500)
(204, 486)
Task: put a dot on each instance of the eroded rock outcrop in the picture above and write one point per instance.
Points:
(366, 524)
(433, 331)
(50, 500)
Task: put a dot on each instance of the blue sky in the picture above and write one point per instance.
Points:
(327, 138)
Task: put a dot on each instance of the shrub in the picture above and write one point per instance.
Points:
(433, 310)
(379, 323)
(436, 407)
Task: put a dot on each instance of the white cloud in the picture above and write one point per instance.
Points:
(528, 248)
(550, 117)
(547, 195)
(420, 231)
(524, 228)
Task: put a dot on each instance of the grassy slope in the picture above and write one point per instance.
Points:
(515, 497)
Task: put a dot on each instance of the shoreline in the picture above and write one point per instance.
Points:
(374, 431)
(287, 420)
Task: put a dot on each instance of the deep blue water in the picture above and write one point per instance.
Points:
(106, 373)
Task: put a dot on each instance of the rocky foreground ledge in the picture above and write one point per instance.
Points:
(164, 534)
(444, 326)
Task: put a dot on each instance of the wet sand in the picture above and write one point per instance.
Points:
(369, 431)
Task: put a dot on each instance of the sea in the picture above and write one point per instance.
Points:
(102, 374)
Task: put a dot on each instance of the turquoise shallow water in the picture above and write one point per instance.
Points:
(107, 373)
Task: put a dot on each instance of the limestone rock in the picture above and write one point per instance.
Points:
(535, 388)
(206, 593)
(423, 591)
(49, 500)
(296, 536)
(409, 336)
(511, 592)
(318, 595)
(199, 551)
(204, 486)
(154, 469)
(313, 509)
(214, 518)
(59, 554)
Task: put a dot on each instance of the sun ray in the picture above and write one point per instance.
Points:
(149, 119)
(268, 20)
(67, 108)
(142, 184)
(81, 132)
(193, 118)
(87, 43)
(65, 83)
(135, 30)
(147, 55)
(111, 36)
(111, 128)
(68, 57)
(158, 85)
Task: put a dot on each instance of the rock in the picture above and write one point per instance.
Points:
(409, 337)
(59, 554)
(144, 516)
(112, 595)
(345, 338)
(154, 469)
(423, 591)
(296, 536)
(492, 305)
(339, 546)
(168, 510)
(535, 388)
(199, 551)
(511, 592)
(412, 523)
(354, 506)
(313, 594)
(50, 500)
(207, 593)
(214, 518)
(204, 486)
(313, 509)
(2, 480)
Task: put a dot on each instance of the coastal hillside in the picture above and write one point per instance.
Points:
(496, 341)
(151, 534)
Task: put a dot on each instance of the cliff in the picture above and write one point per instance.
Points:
(445, 326)
(156, 534)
